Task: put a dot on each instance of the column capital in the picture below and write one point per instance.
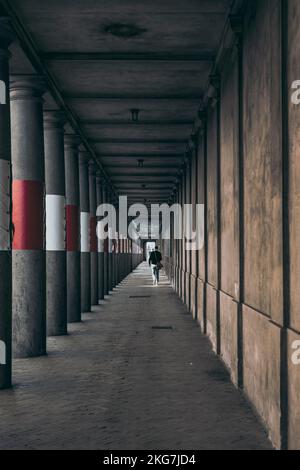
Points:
(24, 87)
(105, 183)
(185, 158)
(99, 176)
(71, 141)
(54, 120)
(193, 141)
(7, 35)
(181, 171)
(236, 24)
(214, 86)
(84, 155)
(110, 194)
(92, 167)
(214, 89)
(202, 115)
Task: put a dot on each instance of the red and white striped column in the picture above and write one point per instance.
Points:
(28, 256)
(100, 243)
(85, 257)
(71, 143)
(6, 37)
(56, 266)
(93, 233)
(110, 246)
(117, 249)
(122, 258)
(105, 246)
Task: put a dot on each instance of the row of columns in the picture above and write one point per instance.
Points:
(6, 37)
(52, 266)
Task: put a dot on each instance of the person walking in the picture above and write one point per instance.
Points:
(155, 263)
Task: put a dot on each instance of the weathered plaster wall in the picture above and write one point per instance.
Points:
(248, 173)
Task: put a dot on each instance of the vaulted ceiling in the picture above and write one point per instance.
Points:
(105, 58)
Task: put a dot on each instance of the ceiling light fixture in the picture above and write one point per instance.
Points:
(135, 114)
(124, 30)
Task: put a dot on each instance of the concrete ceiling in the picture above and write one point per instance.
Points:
(107, 57)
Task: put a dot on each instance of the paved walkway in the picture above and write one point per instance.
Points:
(119, 381)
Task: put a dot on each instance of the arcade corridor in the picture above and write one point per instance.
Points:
(118, 381)
(190, 108)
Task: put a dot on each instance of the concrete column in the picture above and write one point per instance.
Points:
(109, 249)
(130, 255)
(105, 248)
(93, 234)
(121, 257)
(100, 243)
(117, 262)
(127, 256)
(180, 244)
(184, 253)
(113, 257)
(124, 259)
(188, 184)
(6, 37)
(72, 228)
(117, 252)
(177, 258)
(28, 257)
(56, 263)
(85, 258)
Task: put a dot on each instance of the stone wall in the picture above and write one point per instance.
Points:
(245, 290)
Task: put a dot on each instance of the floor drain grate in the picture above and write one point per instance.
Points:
(162, 328)
(139, 296)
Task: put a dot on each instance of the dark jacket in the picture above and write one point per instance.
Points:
(155, 257)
